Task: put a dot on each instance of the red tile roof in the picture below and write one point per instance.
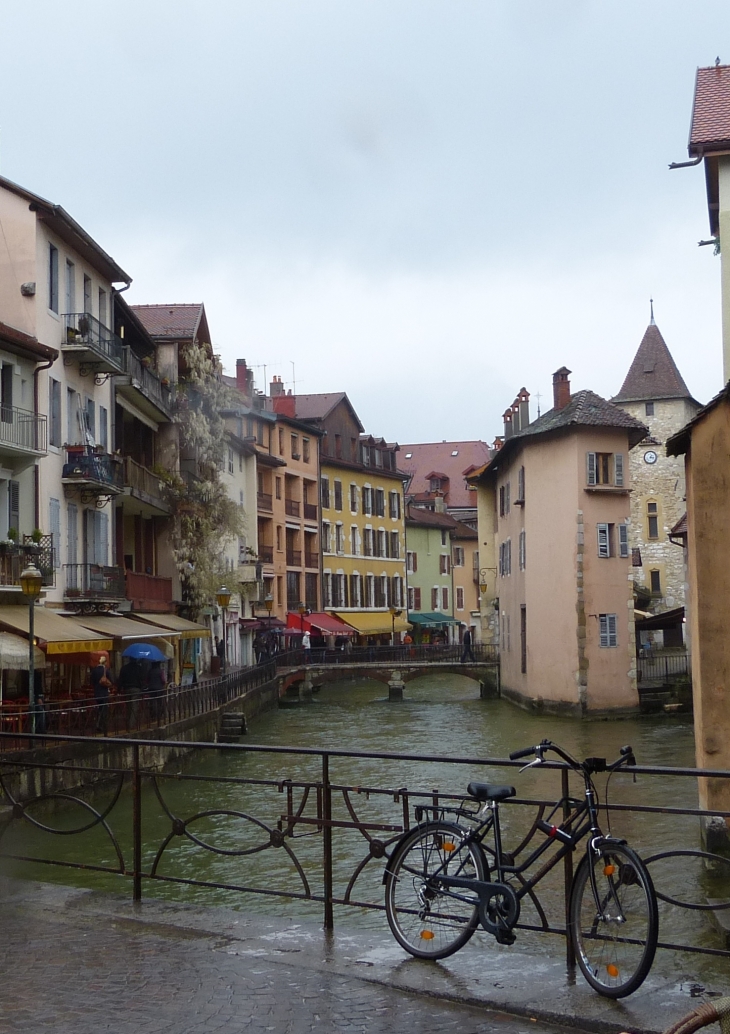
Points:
(174, 322)
(711, 112)
(432, 456)
(318, 407)
(430, 518)
(653, 374)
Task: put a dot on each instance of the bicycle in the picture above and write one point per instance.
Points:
(442, 881)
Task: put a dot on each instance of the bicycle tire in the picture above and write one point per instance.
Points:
(614, 945)
(429, 921)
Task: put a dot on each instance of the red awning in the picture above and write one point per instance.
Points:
(326, 624)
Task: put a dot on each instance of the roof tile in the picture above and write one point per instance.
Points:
(169, 321)
(439, 456)
(711, 112)
(653, 374)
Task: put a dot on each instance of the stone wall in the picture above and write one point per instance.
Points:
(661, 482)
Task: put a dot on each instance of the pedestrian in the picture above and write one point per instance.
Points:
(220, 649)
(101, 681)
(307, 647)
(467, 653)
(130, 682)
(156, 689)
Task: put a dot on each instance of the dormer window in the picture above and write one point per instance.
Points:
(435, 485)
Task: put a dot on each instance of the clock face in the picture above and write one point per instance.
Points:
(650, 457)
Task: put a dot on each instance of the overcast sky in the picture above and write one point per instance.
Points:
(425, 203)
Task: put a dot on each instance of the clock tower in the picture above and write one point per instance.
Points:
(655, 393)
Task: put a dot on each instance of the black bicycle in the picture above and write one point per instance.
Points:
(442, 880)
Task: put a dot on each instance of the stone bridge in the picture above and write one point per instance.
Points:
(299, 683)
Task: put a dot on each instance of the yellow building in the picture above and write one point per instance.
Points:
(363, 520)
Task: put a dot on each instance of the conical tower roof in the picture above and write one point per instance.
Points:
(653, 373)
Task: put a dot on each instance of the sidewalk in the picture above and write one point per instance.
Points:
(77, 961)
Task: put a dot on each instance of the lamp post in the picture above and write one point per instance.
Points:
(394, 613)
(223, 596)
(303, 610)
(31, 581)
(269, 604)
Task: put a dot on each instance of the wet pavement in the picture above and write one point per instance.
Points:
(77, 961)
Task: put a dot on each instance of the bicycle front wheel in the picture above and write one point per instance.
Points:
(614, 928)
(429, 920)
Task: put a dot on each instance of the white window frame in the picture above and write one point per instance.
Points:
(607, 630)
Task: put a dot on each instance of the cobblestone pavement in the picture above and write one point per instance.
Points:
(67, 972)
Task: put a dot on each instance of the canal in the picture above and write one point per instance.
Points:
(440, 715)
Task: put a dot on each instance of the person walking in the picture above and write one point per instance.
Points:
(307, 647)
(101, 681)
(220, 649)
(156, 689)
(130, 682)
(467, 654)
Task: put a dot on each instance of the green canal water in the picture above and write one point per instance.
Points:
(440, 715)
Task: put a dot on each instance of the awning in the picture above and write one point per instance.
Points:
(374, 624)
(667, 619)
(173, 623)
(120, 628)
(319, 622)
(432, 620)
(261, 624)
(14, 653)
(61, 635)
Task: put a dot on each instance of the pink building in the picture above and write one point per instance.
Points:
(556, 519)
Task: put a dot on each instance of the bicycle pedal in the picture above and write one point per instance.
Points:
(505, 937)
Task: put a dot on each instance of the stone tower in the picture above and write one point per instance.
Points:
(655, 393)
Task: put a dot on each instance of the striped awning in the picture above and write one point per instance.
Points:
(57, 634)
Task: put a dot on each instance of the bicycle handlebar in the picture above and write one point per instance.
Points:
(589, 765)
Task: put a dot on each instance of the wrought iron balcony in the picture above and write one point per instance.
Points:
(94, 582)
(14, 558)
(22, 431)
(95, 346)
(92, 472)
(310, 512)
(144, 386)
(292, 507)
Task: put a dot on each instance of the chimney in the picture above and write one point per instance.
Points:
(242, 376)
(498, 443)
(439, 504)
(516, 426)
(507, 417)
(524, 400)
(561, 388)
(285, 405)
(276, 387)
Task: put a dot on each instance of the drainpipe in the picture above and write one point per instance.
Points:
(36, 468)
(687, 165)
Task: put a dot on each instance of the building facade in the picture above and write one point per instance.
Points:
(429, 564)
(557, 507)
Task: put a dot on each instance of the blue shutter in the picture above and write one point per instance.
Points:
(623, 540)
(591, 467)
(618, 470)
(54, 517)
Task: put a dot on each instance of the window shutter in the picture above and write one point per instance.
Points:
(603, 628)
(591, 467)
(103, 538)
(415, 562)
(434, 599)
(612, 637)
(416, 599)
(618, 469)
(14, 505)
(521, 484)
(445, 599)
(604, 549)
(623, 540)
(54, 516)
(73, 535)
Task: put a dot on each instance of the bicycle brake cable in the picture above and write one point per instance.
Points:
(608, 812)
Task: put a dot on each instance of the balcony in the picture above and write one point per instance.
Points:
(310, 512)
(266, 553)
(147, 592)
(96, 348)
(293, 558)
(145, 488)
(292, 507)
(22, 432)
(311, 560)
(144, 388)
(14, 558)
(264, 501)
(94, 582)
(92, 473)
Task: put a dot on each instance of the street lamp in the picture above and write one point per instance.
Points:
(394, 613)
(303, 610)
(269, 604)
(223, 596)
(31, 581)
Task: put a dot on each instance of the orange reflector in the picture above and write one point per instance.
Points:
(448, 846)
(427, 935)
(609, 870)
(612, 970)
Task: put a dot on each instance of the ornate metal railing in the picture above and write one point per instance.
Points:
(86, 463)
(83, 329)
(333, 828)
(94, 581)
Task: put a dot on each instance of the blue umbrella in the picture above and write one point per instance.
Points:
(144, 652)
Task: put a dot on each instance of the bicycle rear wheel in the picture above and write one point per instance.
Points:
(615, 937)
(427, 919)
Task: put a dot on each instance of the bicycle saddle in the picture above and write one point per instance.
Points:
(490, 791)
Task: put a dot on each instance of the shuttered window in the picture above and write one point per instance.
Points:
(73, 534)
(416, 598)
(14, 505)
(623, 540)
(607, 625)
(54, 520)
(604, 539)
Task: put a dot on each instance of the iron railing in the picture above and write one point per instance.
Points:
(82, 329)
(14, 558)
(148, 382)
(292, 507)
(87, 463)
(334, 835)
(310, 512)
(266, 553)
(294, 557)
(94, 581)
(264, 501)
(311, 560)
(23, 429)
(662, 667)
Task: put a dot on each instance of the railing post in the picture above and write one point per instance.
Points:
(568, 876)
(329, 920)
(136, 824)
